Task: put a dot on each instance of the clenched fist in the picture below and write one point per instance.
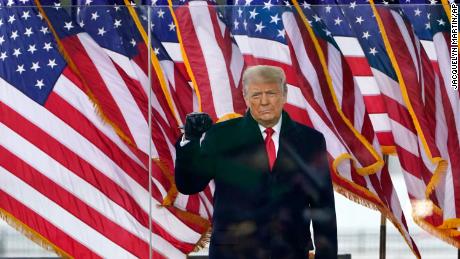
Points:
(196, 123)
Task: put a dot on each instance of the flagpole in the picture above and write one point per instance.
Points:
(149, 20)
(383, 225)
(383, 235)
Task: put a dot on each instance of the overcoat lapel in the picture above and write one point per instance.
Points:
(254, 137)
(284, 140)
(255, 141)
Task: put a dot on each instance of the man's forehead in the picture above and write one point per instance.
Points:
(263, 86)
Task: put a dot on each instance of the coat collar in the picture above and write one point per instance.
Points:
(286, 123)
(254, 136)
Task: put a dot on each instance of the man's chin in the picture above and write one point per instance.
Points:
(268, 121)
(267, 118)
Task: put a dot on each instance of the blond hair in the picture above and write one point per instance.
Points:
(262, 74)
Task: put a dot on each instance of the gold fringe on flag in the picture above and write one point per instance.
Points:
(375, 167)
(74, 68)
(188, 67)
(451, 223)
(446, 5)
(388, 150)
(449, 236)
(172, 192)
(32, 234)
(192, 218)
(379, 207)
(156, 64)
(441, 164)
(168, 202)
(204, 240)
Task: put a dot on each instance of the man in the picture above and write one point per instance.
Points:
(271, 176)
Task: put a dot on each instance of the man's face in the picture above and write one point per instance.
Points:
(265, 101)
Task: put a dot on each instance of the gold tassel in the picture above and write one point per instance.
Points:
(172, 192)
(443, 234)
(74, 68)
(438, 173)
(204, 240)
(451, 223)
(32, 234)
(383, 209)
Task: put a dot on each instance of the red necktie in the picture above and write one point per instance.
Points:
(270, 147)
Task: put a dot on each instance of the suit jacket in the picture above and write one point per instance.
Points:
(260, 213)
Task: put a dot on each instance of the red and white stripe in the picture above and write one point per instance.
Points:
(178, 77)
(424, 91)
(377, 188)
(70, 178)
(121, 88)
(448, 116)
(133, 73)
(362, 74)
(446, 130)
(217, 67)
(442, 46)
(133, 81)
(449, 112)
(315, 85)
(379, 184)
(214, 60)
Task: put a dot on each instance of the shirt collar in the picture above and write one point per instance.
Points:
(276, 128)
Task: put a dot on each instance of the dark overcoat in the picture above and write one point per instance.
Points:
(260, 213)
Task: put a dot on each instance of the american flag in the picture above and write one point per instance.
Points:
(320, 16)
(213, 63)
(122, 27)
(419, 85)
(449, 111)
(169, 41)
(164, 31)
(167, 49)
(417, 168)
(172, 61)
(68, 180)
(129, 52)
(73, 185)
(431, 25)
(331, 15)
(415, 74)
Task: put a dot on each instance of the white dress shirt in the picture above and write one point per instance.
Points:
(276, 133)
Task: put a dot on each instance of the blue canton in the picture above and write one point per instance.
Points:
(360, 17)
(29, 58)
(259, 19)
(109, 23)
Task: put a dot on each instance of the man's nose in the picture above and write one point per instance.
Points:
(264, 99)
